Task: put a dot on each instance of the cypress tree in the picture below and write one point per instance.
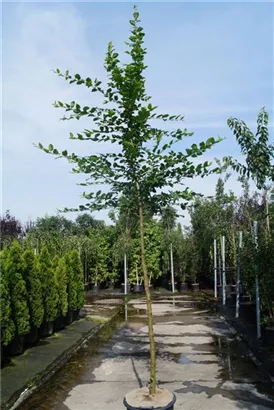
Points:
(18, 292)
(34, 288)
(49, 286)
(61, 280)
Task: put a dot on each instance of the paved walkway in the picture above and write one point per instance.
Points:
(199, 358)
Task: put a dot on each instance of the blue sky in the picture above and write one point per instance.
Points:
(208, 61)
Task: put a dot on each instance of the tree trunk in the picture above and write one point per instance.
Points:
(152, 386)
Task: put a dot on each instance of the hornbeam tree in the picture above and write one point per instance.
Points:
(146, 169)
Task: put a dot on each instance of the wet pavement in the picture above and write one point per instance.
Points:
(198, 358)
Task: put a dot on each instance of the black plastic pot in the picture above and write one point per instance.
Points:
(46, 329)
(195, 287)
(32, 336)
(16, 347)
(233, 288)
(69, 317)
(138, 288)
(76, 314)
(170, 406)
(59, 323)
(95, 288)
(228, 291)
(128, 288)
(248, 312)
(183, 286)
(2, 354)
(269, 335)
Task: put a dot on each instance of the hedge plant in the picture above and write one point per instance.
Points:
(18, 291)
(34, 288)
(49, 286)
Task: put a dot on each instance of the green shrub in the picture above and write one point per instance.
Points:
(7, 324)
(61, 280)
(49, 286)
(18, 292)
(34, 288)
(75, 280)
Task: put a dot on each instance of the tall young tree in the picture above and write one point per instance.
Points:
(146, 168)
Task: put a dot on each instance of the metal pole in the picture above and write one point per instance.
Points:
(215, 268)
(224, 278)
(125, 272)
(172, 268)
(238, 274)
(258, 312)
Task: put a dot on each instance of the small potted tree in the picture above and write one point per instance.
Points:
(19, 301)
(49, 292)
(34, 292)
(7, 323)
(140, 171)
(61, 277)
(78, 281)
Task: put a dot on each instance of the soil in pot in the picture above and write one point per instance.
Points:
(46, 329)
(69, 317)
(16, 347)
(140, 399)
(59, 323)
(32, 336)
(183, 286)
(195, 287)
(138, 289)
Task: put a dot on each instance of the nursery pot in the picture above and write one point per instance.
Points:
(95, 288)
(59, 323)
(195, 287)
(31, 337)
(183, 286)
(69, 317)
(46, 329)
(17, 345)
(138, 288)
(136, 400)
(233, 288)
(269, 335)
(123, 288)
(248, 312)
(228, 291)
(76, 314)
(2, 354)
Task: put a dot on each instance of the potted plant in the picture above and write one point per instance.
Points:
(78, 280)
(34, 292)
(61, 278)
(140, 171)
(13, 269)
(7, 323)
(49, 292)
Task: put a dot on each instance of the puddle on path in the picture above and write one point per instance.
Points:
(236, 377)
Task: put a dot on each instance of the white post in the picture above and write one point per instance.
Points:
(172, 268)
(224, 278)
(215, 268)
(258, 312)
(125, 272)
(238, 275)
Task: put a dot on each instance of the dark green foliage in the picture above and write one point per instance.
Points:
(18, 292)
(49, 286)
(77, 273)
(7, 323)
(60, 269)
(34, 288)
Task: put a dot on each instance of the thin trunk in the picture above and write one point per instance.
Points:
(267, 212)
(152, 386)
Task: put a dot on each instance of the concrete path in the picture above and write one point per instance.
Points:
(199, 359)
